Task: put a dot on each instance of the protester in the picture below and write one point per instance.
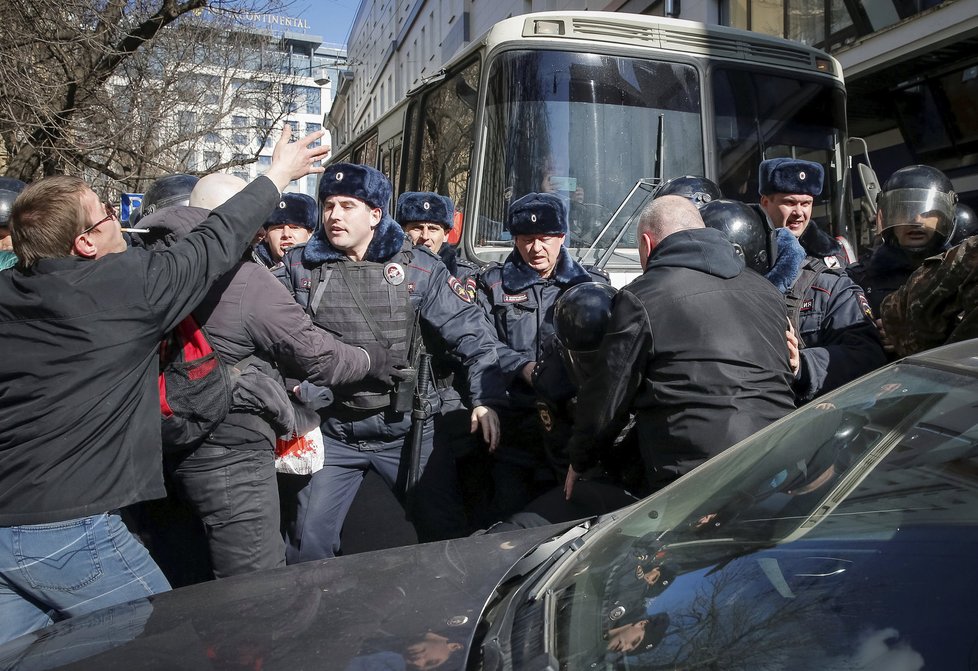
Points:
(81, 412)
(695, 349)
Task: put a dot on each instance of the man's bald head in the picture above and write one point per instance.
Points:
(215, 189)
(668, 214)
(661, 218)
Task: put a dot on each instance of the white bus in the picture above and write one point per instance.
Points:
(600, 107)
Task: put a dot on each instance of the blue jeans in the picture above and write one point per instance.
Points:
(54, 571)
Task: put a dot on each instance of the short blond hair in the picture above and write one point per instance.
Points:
(46, 218)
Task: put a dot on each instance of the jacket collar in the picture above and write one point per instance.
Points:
(817, 242)
(387, 241)
(518, 276)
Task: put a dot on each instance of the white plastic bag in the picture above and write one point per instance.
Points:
(300, 455)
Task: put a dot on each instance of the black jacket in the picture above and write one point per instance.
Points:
(80, 410)
(884, 272)
(696, 348)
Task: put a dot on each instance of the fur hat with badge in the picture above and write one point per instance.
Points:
(537, 214)
(425, 206)
(790, 175)
(294, 208)
(373, 188)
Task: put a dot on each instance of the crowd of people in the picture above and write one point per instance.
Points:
(522, 393)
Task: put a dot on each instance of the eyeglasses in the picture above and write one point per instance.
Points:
(109, 215)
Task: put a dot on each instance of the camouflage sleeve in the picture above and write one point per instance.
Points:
(937, 304)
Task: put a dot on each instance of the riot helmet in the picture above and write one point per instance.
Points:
(581, 317)
(965, 224)
(166, 191)
(916, 209)
(747, 230)
(697, 190)
(10, 188)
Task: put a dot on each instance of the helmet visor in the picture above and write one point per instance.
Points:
(924, 208)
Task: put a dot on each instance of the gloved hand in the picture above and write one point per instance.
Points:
(381, 368)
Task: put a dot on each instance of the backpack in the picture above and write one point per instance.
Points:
(195, 387)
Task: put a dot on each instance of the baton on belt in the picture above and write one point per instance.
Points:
(419, 413)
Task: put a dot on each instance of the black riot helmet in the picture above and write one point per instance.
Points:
(747, 230)
(917, 197)
(697, 190)
(581, 317)
(10, 188)
(166, 191)
(965, 224)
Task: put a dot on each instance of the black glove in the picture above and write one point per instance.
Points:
(381, 368)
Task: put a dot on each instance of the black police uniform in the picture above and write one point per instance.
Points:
(396, 283)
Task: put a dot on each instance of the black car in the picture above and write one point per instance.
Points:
(844, 536)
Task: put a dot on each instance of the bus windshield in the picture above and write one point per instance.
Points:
(586, 127)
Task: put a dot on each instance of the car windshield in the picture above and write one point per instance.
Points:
(802, 547)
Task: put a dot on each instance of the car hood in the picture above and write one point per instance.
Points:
(391, 609)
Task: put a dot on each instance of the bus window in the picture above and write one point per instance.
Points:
(584, 126)
(446, 125)
(763, 115)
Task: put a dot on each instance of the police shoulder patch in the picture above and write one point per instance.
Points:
(458, 289)
(470, 287)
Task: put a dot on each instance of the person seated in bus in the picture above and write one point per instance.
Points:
(518, 297)
(788, 188)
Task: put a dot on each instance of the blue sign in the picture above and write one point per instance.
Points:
(129, 203)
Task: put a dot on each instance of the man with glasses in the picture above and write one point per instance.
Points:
(80, 411)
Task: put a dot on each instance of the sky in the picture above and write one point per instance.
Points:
(330, 19)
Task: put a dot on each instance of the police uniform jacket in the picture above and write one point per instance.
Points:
(519, 304)
(841, 341)
(394, 269)
(448, 372)
(696, 349)
(81, 407)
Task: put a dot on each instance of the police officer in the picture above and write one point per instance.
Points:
(292, 223)
(829, 313)
(166, 191)
(788, 188)
(518, 297)
(915, 215)
(361, 278)
(427, 218)
(698, 190)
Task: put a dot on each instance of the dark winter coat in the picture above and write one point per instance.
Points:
(696, 348)
(81, 408)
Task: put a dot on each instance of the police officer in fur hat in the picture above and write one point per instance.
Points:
(518, 297)
(292, 223)
(361, 278)
(427, 218)
(788, 188)
(830, 315)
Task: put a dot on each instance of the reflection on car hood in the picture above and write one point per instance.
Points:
(378, 610)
